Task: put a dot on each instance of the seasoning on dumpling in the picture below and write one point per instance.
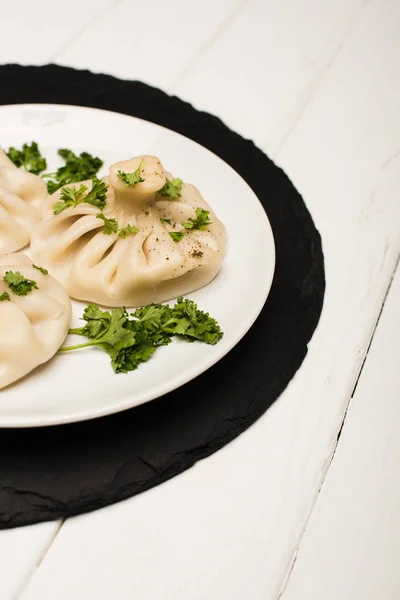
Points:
(136, 237)
(21, 198)
(35, 314)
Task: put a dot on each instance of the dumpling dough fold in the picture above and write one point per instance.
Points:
(138, 269)
(32, 327)
(21, 201)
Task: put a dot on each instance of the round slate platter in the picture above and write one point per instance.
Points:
(54, 472)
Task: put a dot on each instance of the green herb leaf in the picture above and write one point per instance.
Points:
(193, 324)
(200, 222)
(166, 221)
(131, 179)
(177, 235)
(97, 195)
(76, 168)
(110, 225)
(171, 188)
(18, 284)
(72, 196)
(4, 296)
(28, 157)
(131, 341)
(41, 269)
(128, 230)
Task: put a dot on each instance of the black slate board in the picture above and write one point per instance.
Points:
(54, 472)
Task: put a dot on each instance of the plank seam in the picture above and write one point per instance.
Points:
(339, 432)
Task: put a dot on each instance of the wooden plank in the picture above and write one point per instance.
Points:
(263, 70)
(33, 32)
(351, 548)
(20, 552)
(151, 41)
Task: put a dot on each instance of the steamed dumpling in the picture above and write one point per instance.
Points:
(21, 199)
(32, 327)
(138, 269)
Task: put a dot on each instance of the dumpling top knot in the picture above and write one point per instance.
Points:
(135, 182)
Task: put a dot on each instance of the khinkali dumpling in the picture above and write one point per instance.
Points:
(32, 326)
(21, 199)
(138, 268)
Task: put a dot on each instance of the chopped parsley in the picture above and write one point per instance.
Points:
(128, 230)
(4, 296)
(110, 225)
(177, 235)
(41, 269)
(18, 284)
(131, 179)
(28, 157)
(72, 196)
(76, 168)
(166, 221)
(132, 339)
(200, 222)
(171, 188)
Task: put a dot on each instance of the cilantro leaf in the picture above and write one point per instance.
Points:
(128, 230)
(200, 222)
(72, 196)
(131, 179)
(41, 269)
(166, 221)
(177, 235)
(28, 157)
(171, 188)
(4, 296)
(18, 284)
(110, 225)
(76, 168)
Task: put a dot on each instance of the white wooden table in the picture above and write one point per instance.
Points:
(289, 510)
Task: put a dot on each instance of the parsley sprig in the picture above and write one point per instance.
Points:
(171, 188)
(72, 196)
(128, 230)
(28, 157)
(132, 339)
(111, 226)
(4, 296)
(76, 168)
(177, 235)
(18, 284)
(200, 222)
(131, 179)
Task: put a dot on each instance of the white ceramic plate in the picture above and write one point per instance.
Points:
(81, 385)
